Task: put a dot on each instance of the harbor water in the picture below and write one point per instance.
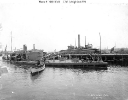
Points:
(16, 83)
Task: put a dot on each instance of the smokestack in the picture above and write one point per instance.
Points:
(78, 41)
(24, 47)
(85, 41)
(33, 46)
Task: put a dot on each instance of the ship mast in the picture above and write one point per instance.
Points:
(75, 43)
(11, 40)
(100, 43)
(100, 46)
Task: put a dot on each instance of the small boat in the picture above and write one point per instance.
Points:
(37, 69)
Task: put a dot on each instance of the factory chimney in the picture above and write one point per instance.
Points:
(78, 41)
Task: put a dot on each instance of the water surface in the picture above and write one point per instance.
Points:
(63, 84)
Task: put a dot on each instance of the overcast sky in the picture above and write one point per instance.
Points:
(55, 26)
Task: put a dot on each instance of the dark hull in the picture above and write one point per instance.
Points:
(37, 70)
(35, 73)
(78, 64)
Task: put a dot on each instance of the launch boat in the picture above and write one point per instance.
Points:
(37, 69)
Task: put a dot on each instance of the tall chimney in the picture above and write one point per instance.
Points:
(33, 46)
(24, 47)
(78, 41)
(85, 41)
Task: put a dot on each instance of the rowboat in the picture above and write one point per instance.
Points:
(37, 69)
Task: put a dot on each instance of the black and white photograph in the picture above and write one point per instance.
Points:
(63, 50)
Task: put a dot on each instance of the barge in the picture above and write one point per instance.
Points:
(68, 63)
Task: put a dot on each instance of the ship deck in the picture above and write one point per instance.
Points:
(93, 64)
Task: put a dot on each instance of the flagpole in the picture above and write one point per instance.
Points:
(75, 43)
(100, 43)
(11, 40)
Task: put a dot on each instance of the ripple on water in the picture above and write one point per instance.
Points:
(65, 84)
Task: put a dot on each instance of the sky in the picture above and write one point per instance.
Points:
(55, 26)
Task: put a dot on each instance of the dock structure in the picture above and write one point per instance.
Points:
(114, 57)
(111, 57)
(104, 57)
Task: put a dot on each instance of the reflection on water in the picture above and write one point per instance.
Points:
(36, 76)
(64, 84)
